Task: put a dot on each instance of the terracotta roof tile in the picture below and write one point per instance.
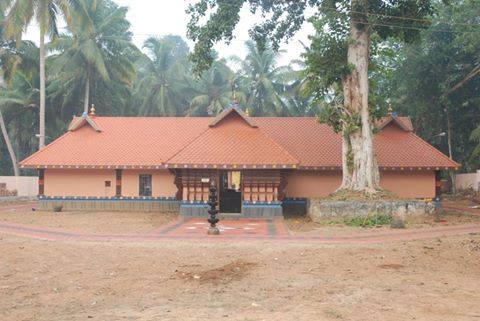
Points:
(233, 142)
(153, 141)
(122, 141)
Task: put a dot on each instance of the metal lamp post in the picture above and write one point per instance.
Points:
(212, 202)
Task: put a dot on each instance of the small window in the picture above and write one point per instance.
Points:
(108, 183)
(145, 188)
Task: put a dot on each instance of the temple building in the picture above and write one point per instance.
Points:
(258, 163)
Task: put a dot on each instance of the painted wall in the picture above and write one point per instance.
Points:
(409, 184)
(310, 184)
(79, 182)
(162, 183)
(24, 185)
(468, 181)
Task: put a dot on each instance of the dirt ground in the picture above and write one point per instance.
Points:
(91, 222)
(302, 225)
(436, 279)
(420, 280)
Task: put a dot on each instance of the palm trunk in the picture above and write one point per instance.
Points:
(87, 94)
(41, 143)
(451, 173)
(360, 169)
(9, 145)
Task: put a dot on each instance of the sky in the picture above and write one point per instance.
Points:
(163, 17)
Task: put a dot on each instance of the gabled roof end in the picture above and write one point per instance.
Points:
(79, 122)
(403, 122)
(230, 110)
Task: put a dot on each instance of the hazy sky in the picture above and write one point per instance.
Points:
(163, 17)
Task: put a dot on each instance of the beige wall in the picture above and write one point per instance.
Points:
(79, 182)
(162, 183)
(311, 184)
(409, 184)
(467, 181)
(25, 185)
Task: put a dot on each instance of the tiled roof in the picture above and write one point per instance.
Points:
(233, 140)
(404, 122)
(122, 141)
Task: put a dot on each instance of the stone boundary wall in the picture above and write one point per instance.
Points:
(26, 186)
(468, 181)
(318, 208)
(164, 206)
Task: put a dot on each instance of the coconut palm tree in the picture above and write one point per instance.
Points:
(164, 79)
(297, 101)
(19, 91)
(13, 57)
(45, 13)
(100, 50)
(215, 91)
(263, 81)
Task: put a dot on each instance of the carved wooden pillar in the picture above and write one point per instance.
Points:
(282, 185)
(41, 182)
(178, 183)
(118, 184)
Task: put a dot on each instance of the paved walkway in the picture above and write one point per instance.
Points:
(238, 230)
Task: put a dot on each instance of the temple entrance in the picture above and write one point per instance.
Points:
(230, 192)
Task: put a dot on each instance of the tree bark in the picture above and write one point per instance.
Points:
(451, 173)
(9, 145)
(41, 143)
(87, 94)
(360, 169)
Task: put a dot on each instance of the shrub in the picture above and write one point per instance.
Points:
(377, 219)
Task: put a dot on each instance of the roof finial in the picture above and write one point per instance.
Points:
(390, 109)
(92, 110)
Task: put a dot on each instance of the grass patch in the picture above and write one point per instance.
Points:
(332, 313)
(369, 221)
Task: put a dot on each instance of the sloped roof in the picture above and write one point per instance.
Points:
(123, 141)
(233, 141)
(230, 140)
(403, 122)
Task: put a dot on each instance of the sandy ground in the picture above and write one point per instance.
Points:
(302, 225)
(91, 222)
(420, 280)
(437, 279)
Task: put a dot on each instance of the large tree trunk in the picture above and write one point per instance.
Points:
(360, 169)
(41, 143)
(87, 94)
(9, 145)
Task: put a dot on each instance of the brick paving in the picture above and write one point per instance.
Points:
(238, 230)
(194, 229)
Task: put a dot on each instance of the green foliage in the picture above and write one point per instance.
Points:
(416, 78)
(99, 51)
(213, 92)
(264, 81)
(422, 76)
(376, 219)
(162, 88)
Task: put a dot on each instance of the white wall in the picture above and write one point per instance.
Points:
(467, 181)
(25, 185)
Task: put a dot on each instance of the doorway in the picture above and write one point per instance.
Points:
(230, 192)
